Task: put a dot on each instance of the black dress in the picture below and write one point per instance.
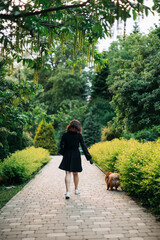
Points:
(69, 148)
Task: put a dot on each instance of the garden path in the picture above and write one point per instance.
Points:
(40, 211)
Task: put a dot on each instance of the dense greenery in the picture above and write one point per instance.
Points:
(21, 165)
(16, 110)
(128, 80)
(63, 87)
(138, 164)
(100, 98)
(134, 81)
(13, 98)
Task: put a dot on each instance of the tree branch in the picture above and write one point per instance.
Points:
(28, 14)
(51, 26)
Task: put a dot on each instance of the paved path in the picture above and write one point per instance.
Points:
(40, 211)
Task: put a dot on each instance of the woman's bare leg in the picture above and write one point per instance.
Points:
(75, 179)
(68, 181)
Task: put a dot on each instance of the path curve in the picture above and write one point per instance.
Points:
(40, 211)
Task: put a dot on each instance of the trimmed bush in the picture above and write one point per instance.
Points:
(139, 167)
(105, 154)
(138, 164)
(20, 166)
(45, 137)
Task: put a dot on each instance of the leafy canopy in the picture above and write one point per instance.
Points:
(36, 26)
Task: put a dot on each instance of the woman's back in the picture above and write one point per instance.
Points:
(71, 140)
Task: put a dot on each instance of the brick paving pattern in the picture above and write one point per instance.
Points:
(40, 211)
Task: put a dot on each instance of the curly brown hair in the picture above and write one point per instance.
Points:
(74, 126)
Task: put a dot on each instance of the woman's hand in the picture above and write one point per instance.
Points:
(91, 161)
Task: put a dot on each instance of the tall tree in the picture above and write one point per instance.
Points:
(91, 129)
(62, 86)
(135, 81)
(99, 86)
(99, 102)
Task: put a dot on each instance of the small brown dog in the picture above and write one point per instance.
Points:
(112, 180)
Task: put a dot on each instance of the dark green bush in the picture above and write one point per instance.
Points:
(27, 140)
(147, 134)
(4, 147)
(15, 140)
(150, 134)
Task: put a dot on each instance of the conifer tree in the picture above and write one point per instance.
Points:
(45, 137)
(91, 130)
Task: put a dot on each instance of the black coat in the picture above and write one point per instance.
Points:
(69, 148)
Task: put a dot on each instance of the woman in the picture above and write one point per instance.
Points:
(69, 148)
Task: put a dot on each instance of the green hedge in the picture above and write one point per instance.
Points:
(139, 166)
(21, 165)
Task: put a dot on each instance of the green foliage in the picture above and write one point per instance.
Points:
(100, 97)
(109, 133)
(37, 113)
(138, 164)
(102, 110)
(63, 85)
(139, 167)
(156, 5)
(27, 140)
(21, 165)
(99, 86)
(105, 154)
(70, 110)
(134, 81)
(91, 130)
(15, 140)
(45, 137)
(4, 147)
(149, 134)
(146, 134)
(99, 109)
(99, 102)
(14, 97)
(48, 23)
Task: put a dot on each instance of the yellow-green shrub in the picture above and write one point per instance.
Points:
(105, 154)
(138, 164)
(139, 167)
(20, 166)
(45, 137)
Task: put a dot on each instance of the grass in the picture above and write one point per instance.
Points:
(7, 193)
